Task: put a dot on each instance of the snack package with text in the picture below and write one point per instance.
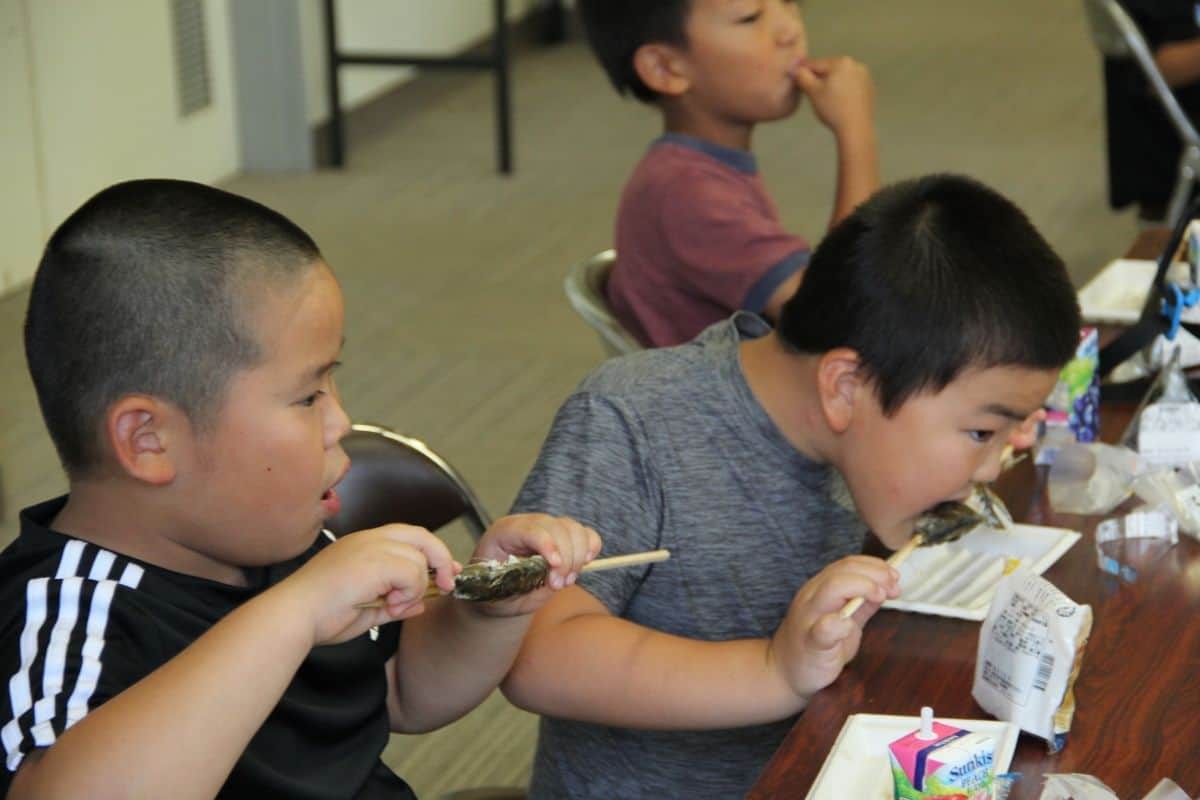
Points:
(1030, 650)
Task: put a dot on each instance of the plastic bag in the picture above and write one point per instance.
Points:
(1075, 787)
(1091, 478)
(1176, 491)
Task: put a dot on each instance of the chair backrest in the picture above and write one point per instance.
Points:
(395, 478)
(584, 286)
(1117, 36)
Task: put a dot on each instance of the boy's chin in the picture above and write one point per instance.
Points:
(896, 535)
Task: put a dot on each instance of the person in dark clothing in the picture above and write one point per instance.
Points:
(1143, 146)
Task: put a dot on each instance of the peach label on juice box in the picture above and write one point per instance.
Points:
(941, 761)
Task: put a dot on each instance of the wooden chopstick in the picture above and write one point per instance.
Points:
(897, 558)
(612, 562)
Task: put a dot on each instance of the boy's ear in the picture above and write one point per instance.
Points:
(840, 384)
(143, 433)
(661, 68)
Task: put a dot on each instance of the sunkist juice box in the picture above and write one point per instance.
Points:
(941, 761)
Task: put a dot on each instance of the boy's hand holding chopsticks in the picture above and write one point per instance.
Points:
(814, 642)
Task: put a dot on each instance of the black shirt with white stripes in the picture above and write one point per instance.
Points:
(79, 624)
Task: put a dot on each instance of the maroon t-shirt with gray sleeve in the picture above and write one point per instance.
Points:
(697, 238)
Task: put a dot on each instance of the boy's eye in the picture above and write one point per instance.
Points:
(981, 436)
(312, 398)
(750, 18)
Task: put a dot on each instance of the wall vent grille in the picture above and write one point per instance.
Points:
(191, 55)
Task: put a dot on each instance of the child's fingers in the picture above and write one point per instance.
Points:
(840, 587)
(1026, 433)
(427, 551)
(579, 544)
(819, 67)
(830, 631)
(874, 568)
(809, 80)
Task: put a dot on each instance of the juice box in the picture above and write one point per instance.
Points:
(1073, 407)
(942, 761)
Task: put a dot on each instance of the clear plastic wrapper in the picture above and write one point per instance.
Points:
(1169, 386)
(1177, 491)
(1144, 523)
(1075, 787)
(1092, 478)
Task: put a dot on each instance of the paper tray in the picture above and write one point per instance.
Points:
(857, 766)
(1118, 292)
(958, 579)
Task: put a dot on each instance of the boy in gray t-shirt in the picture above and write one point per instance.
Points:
(931, 325)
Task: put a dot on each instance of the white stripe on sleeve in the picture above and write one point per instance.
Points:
(19, 690)
(93, 646)
(56, 661)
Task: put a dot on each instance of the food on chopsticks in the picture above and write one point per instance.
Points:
(487, 580)
(989, 504)
(943, 523)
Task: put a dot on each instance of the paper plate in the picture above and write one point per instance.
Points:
(958, 579)
(1118, 292)
(857, 766)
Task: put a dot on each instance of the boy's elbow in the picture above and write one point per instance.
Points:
(520, 685)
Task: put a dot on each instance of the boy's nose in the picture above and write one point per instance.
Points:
(338, 424)
(790, 28)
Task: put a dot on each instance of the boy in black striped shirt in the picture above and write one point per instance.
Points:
(178, 625)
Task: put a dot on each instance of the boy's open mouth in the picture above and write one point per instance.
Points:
(331, 503)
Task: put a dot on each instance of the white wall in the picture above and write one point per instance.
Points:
(100, 82)
(427, 27)
(88, 96)
(21, 213)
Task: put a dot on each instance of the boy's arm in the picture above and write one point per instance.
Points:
(179, 731)
(453, 656)
(580, 662)
(449, 660)
(858, 170)
(843, 98)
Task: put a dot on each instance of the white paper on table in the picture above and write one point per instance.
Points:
(958, 579)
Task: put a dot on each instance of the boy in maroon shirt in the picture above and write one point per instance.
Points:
(697, 236)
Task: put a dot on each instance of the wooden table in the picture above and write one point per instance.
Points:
(1138, 693)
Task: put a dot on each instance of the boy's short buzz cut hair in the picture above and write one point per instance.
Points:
(617, 28)
(149, 288)
(929, 278)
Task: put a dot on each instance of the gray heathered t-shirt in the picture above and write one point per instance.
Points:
(669, 448)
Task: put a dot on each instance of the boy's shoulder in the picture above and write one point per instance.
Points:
(657, 381)
(47, 573)
(42, 556)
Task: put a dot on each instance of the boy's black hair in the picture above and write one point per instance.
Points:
(931, 277)
(617, 28)
(149, 288)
